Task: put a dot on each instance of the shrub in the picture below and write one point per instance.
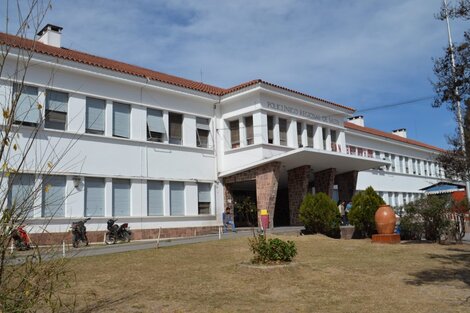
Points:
(319, 214)
(362, 214)
(271, 250)
(426, 216)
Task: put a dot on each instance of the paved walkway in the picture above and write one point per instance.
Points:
(101, 248)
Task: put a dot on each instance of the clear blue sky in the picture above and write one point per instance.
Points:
(359, 53)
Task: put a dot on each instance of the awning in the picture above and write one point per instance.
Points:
(317, 159)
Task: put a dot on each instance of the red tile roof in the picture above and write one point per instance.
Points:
(380, 133)
(85, 58)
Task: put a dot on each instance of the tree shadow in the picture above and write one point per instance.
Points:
(454, 267)
(106, 303)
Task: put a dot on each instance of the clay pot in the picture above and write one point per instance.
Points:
(385, 219)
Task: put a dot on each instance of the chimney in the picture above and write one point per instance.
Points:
(358, 120)
(50, 35)
(400, 132)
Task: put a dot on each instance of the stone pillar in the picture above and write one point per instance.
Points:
(346, 185)
(297, 184)
(267, 179)
(324, 181)
(228, 197)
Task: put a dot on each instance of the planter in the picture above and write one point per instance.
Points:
(346, 232)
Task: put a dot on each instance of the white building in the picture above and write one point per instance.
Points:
(157, 150)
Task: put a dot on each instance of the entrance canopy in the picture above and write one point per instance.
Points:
(318, 160)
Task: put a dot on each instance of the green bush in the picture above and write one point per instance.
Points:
(426, 216)
(362, 214)
(319, 214)
(271, 250)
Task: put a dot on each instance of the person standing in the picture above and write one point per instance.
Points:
(342, 212)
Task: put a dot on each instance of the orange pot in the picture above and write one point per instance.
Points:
(385, 219)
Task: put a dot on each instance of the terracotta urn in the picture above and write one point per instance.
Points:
(385, 219)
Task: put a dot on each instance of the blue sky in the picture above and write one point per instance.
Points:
(359, 53)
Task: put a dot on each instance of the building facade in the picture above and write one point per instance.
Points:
(162, 152)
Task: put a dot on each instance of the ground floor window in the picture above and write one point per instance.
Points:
(177, 198)
(22, 194)
(155, 198)
(94, 196)
(121, 197)
(204, 198)
(53, 196)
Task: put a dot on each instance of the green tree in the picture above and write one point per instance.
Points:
(426, 216)
(452, 85)
(319, 214)
(362, 214)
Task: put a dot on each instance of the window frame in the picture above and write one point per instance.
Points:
(50, 113)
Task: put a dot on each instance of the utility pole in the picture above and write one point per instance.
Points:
(457, 103)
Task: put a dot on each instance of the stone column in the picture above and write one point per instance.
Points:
(267, 179)
(297, 184)
(346, 185)
(324, 181)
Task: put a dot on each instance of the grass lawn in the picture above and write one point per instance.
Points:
(328, 276)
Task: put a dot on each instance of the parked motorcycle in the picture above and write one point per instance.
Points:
(116, 232)
(79, 233)
(21, 239)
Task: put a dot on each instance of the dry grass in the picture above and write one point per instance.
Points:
(329, 276)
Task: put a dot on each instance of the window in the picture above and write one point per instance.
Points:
(407, 168)
(249, 130)
(27, 111)
(95, 114)
(377, 155)
(22, 194)
(334, 147)
(270, 129)
(121, 197)
(325, 136)
(155, 198)
(392, 158)
(121, 120)
(176, 198)
(94, 196)
(53, 196)
(176, 128)
(155, 126)
(204, 198)
(310, 136)
(56, 110)
(202, 132)
(299, 135)
(283, 132)
(234, 134)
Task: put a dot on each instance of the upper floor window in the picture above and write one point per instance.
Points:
(121, 120)
(334, 147)
(249, 130)
(27, 111)
(155, 126)
(270, 129)
(202, 132)
(310, 136)
(95, 115)
(299, 135)
(176, 128)
(325, 136)
(234, 134)
(283, 132)
(56, 110)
